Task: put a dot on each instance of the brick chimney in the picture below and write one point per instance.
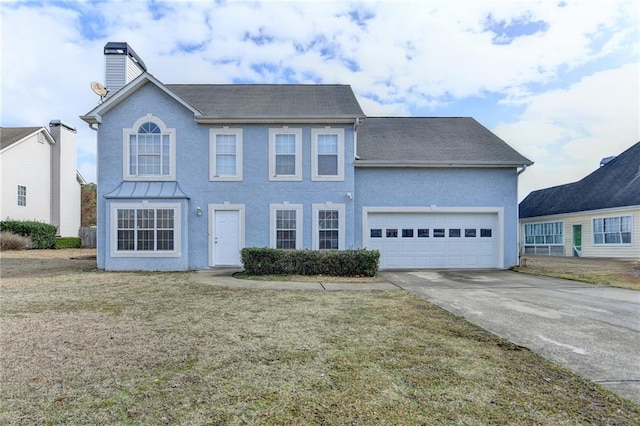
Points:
(122, 65)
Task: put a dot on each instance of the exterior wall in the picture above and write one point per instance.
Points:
(589, 249)
(444, 188)
(255, 192)
(441, 188)
(65, 190)
(27, 163)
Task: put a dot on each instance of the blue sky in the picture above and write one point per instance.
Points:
(557, 80)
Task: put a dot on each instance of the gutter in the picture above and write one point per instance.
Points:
(436, 164)
(92, 120)
(274, 120)
(524, 168)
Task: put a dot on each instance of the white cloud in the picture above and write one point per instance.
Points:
(567, 132)
(409, 57)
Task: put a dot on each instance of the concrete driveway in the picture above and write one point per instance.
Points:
(593, 331)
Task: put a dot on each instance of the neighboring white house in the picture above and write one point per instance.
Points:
(39, 177)
(598, 216)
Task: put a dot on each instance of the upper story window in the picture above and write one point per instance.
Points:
(612, 230)
(285, 154)
(225, 154)
(149, 150)
(22, 195)
(327, 154)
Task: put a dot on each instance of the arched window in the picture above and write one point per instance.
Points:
(150, 150)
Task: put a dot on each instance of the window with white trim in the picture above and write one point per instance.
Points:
(149, 150)
(22, 195)
(145, 229)
(286, 226)
(285, 154)
(225, 154)
(544, 238)
(612, 230)
(327, 154)
(328, 226)
(544, 233)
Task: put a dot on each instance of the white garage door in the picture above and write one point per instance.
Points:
(434, 240)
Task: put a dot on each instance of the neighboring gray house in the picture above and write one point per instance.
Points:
(39, 177)
(189, 174)
(598, 216)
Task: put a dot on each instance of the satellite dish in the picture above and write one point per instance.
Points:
(99, 89)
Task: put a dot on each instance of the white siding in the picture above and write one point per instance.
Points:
(133, 70)
(119, 70)
(27, 163)
(621, 251)
(115, 76)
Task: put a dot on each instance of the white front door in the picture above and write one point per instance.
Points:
(226, 238)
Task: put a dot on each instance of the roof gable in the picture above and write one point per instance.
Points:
(13, 135)
(435, 141)
(95, 115)
(616, 184)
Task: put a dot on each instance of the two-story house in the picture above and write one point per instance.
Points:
(189, 174)
(39, 177)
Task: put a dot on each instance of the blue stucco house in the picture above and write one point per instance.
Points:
(189, 174)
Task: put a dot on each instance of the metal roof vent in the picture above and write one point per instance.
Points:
(605, 160)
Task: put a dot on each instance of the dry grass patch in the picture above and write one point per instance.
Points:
(82, 346)
(610, 272)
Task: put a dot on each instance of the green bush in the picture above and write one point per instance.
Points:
(68, 242)
(344, 263)
(42, 234)
(11, 241)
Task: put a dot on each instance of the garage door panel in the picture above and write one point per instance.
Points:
(434, 240)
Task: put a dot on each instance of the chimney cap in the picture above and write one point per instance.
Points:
(123, 48)
(58, 123)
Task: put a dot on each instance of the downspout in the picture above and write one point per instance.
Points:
(356, 124)
(518, 240)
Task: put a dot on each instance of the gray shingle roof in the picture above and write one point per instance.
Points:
(433, 140)
(11, 135)
(616, 184)
(270, 100)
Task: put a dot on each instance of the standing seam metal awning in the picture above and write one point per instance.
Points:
(160, 190)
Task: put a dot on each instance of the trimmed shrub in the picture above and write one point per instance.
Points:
(344, 263)
(11, 241)
(68, 242)
(41, 234)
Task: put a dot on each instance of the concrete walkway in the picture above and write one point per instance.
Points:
(591, 330)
